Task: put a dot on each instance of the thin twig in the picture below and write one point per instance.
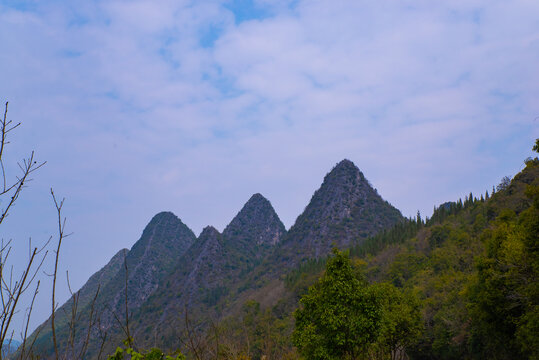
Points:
(61, 226)
(129, 339)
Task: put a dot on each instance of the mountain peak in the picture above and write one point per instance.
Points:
(256, 224)
(344, 170)
(257, 198)
(344, 209)
(345, 163)
(256, 201)
(164, 215)
(209, 231)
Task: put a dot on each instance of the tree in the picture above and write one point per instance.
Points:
(340, 315)
(13, 286)
(536, 146)
(504, 300)
(401, 323)
(504, 183)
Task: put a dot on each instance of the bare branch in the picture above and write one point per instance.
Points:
(61, 226)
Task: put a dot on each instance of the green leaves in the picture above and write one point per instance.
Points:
(339, 316)
(153, 354)
(504, 299)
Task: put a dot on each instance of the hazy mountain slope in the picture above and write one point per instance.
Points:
(86, 295)
(155, 254)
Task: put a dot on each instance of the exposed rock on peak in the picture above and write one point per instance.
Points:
(255, 225)
(344, 209)
(345, 164)
(164, 215)
(344, 173)
(257, 197)
(165, 234)
(209, 231)
(163, 241)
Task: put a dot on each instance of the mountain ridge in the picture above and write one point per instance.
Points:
(210, 273)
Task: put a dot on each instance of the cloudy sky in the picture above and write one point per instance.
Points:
(193, 106)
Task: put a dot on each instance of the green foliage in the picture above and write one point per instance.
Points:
(401, 325)
(339, 316)
(505, 297)
(254, 333)
(127, 352)
(473, 267)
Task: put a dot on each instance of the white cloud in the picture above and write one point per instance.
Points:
(144, 106)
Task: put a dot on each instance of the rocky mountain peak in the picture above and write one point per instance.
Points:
(209, 232)
(257, 224)
(163, 216)
(344, 173)
(344, 209)
(163, 241)
(164, 232)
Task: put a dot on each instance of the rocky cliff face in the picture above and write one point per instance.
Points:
(344, 210)
(205, 264)
(213, 265)
(164, 240)
(254, 229)
(97, 281)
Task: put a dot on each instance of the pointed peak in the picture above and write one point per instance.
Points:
(164, 215)
(256, 223)
(345, 169)
(257, 206)
(209, 231)
(164, 218)
(346, 163)
(257, 197)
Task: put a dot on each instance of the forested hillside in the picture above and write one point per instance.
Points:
(472, 268)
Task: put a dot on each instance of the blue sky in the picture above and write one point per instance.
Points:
(193, 106)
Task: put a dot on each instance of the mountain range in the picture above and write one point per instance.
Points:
(170, 275)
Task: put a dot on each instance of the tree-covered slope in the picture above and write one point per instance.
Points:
(474, 266)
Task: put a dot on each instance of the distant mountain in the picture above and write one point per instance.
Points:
(9, 347)
(209, 270)
(154, 255)
(97, 280)
(254, 230)
(171, 271)
(343, 211)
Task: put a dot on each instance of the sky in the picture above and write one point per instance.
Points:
(193, 106)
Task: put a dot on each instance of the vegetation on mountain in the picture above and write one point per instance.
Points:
(122, 353)
(473, 267)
